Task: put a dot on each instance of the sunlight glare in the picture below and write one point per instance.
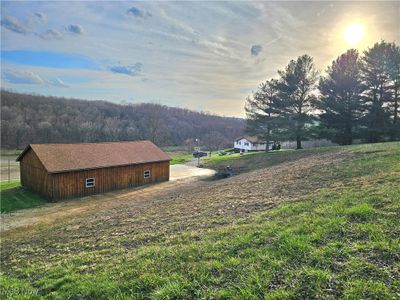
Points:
(353, 34)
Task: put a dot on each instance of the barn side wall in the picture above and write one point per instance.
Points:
(34, 176)
(72, 184)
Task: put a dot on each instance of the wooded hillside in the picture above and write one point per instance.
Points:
(38, 119)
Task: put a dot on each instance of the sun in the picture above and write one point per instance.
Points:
(354, 33)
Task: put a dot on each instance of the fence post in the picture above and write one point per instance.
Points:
(9, 179)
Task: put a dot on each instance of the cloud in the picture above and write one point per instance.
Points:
(220, 60)
(76, 29)
(51, 34)
(138, 13)
(58, 82)
(41, 17)
(28, 77)
(255, 50)
(133, 70)
(22, 77)
(13, 24)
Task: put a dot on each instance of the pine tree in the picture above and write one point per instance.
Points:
(339, 101)
(393, 66)
(262, 112)
(377, 94)
(296, 87)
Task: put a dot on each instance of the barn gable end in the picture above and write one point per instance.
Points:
(34, 175)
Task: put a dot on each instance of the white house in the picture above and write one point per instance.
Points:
(249, 143)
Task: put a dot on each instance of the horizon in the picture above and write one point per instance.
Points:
(122, 103)
(202, 56)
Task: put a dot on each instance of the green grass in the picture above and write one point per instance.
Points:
(251, 161)
(335, 243)
(14, 197)
(10, 152)
(9, 185)
(180, 159)
(184, 158)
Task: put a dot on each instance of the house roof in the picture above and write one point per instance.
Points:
(58, 158)
(252, 139)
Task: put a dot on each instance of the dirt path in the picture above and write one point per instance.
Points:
(181, 176)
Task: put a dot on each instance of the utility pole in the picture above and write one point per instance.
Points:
(198, 154)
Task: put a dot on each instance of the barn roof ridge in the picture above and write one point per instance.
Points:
(91, 143)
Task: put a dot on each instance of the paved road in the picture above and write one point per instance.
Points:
(188, 171)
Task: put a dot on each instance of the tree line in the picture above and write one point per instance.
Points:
(356, 99)
(29, 119)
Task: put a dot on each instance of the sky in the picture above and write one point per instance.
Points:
(201, 55)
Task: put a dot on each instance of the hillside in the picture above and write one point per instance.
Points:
(306, 224)
(38, 119)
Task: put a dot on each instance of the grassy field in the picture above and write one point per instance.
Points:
(8, 166)
(10, 152)
(251, 161)
(9, 185)
(320, 223)
(180, 159)
(13, 197)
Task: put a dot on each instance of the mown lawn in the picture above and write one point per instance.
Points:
(251, 161)
(341, 242)
(10, 152)
(14, 197)
(9, 185)
(184, 158)
(181, 159)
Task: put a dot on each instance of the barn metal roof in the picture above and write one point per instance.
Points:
(58, 158)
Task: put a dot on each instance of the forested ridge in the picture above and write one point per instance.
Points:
(29, 119)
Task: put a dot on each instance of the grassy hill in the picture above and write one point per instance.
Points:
(308, 224)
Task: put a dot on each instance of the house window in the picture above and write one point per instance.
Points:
(246, 143)
(90, 182)
(239, 143)
(146, 174)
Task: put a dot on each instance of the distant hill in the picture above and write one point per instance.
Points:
(29, 118)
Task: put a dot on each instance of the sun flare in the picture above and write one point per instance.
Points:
(353, 33)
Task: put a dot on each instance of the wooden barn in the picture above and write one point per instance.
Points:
(60, 171)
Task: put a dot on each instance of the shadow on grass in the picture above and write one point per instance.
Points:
(13, 199)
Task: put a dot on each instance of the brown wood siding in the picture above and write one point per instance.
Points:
(72, 184)
(34, 175)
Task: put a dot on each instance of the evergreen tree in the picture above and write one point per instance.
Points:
(262, 112)
(296, 94)
(377, 93)
(339, 102)
(394, 88)
(359, 97)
